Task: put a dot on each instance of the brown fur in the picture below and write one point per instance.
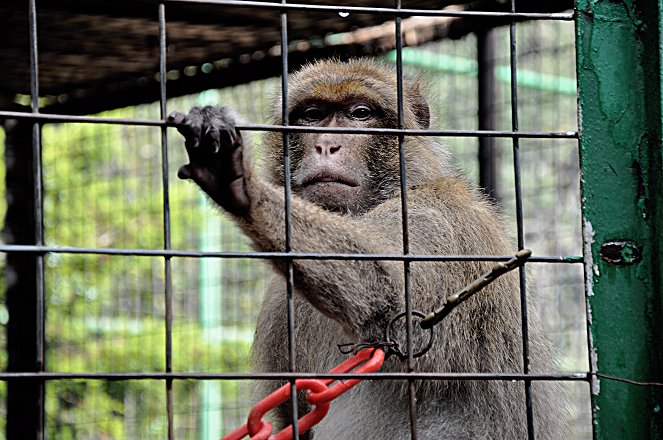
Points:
(339, 301)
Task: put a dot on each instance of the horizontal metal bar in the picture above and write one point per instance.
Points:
(297, 129)
(413, 132)
(46, 117)
(579, 376)
(567, 259)
(564, 16)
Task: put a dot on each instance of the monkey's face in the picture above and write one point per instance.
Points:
(340, 172)
(343, 172)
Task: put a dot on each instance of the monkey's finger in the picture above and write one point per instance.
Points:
(177, 118)
(189, 126)
(180, 121)
(184, 172)
(191, 143)
(229, 137)
(212, 139)
(235, 164)
(185, 128)
(219, 126)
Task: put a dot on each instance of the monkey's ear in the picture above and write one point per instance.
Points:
(419, 103)
(422, 112)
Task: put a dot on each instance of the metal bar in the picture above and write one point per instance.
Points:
(571, 377)
(412, 399)
(563, 259)
(488, 175)
(39, 219)
(519, 221)
(20, 281)
(395, 12)
(298, 129)
(285, 119)
(620, 116)
(168, 277)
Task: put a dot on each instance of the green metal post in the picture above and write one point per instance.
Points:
(619, 82)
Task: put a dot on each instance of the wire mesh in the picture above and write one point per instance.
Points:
(125, 258)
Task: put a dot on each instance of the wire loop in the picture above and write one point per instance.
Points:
(393, 346)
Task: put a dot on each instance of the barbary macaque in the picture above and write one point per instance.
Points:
(346, 199)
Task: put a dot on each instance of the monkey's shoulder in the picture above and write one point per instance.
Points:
(446, 192)
(446, 197)
(452, 208)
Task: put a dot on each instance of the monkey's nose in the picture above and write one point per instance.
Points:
(327, 149)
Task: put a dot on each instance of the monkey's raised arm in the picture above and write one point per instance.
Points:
(361, 295)
(337, 288)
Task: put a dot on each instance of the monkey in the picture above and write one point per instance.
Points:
(346, 198)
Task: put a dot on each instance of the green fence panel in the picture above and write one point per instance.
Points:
(619, 83)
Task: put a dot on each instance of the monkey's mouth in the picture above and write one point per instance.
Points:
(328, 177)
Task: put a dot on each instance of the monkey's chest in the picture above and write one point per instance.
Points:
(316, 336)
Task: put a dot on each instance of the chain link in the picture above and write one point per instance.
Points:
(319, 394)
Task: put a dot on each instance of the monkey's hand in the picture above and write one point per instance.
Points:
(214, 147)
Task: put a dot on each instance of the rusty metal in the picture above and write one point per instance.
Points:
(455, 299)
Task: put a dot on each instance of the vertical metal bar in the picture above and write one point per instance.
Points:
(288, 212)
(619, 65)
(168, 277)
(404, 219)
(39, 215)
(586, 240)
(23, 407)
(488, 177)
(519, 222)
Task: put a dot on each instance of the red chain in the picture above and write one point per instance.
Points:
(318, 394)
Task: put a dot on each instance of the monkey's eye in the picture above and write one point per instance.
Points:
(313, 114)
(361, 112)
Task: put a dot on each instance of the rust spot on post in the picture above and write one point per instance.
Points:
(620, 252)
